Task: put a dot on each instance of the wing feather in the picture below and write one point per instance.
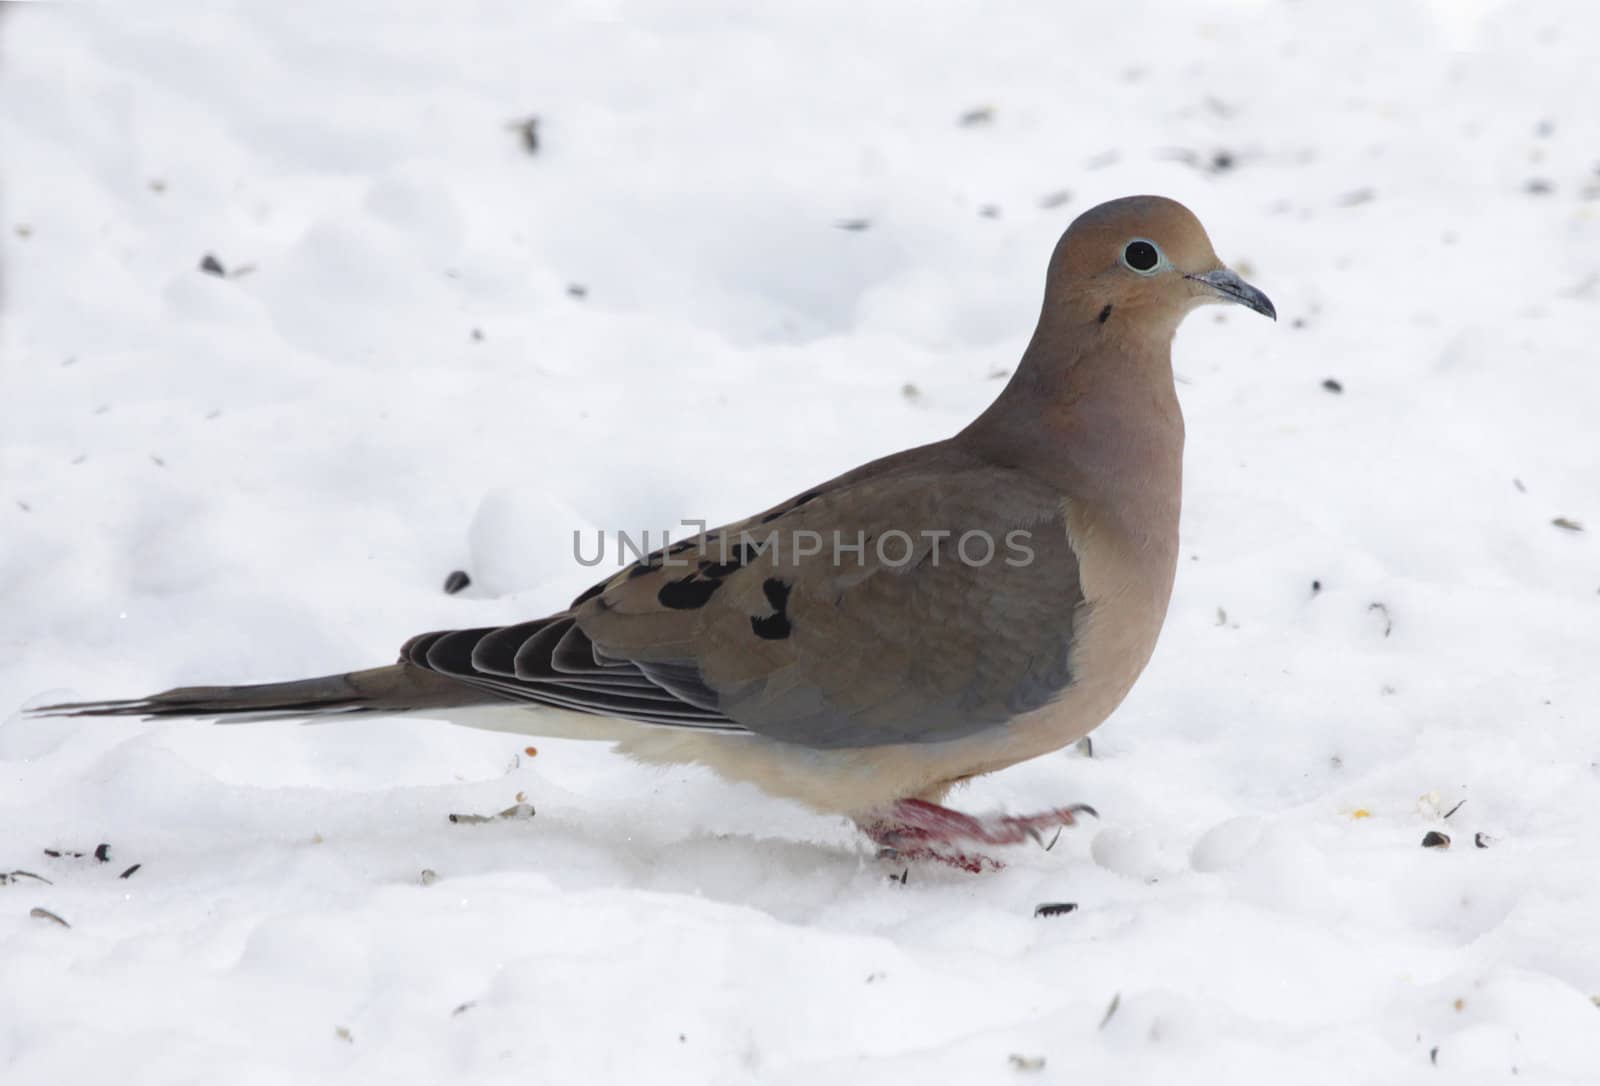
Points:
(854, 644)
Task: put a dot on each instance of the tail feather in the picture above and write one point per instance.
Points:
(397, 688)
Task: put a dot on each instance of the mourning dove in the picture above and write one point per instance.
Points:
(940, 613)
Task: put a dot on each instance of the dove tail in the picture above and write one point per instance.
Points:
(397, 688)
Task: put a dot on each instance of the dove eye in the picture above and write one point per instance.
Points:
(1141, 256)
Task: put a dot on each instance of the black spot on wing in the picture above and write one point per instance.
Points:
(687, 593)
(1105, 315)
(732, 560)
(777, 593)
(774, 627)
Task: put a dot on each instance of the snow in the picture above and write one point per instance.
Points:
(270, 473)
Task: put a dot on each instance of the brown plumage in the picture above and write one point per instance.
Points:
(895, 659)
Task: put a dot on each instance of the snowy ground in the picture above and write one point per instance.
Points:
(269, 474)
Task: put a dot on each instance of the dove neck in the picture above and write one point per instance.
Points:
(1093, 411)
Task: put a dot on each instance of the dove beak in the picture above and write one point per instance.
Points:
(1225, 282)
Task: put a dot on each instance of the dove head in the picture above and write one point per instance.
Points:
(1092, 404)
(1141, 262)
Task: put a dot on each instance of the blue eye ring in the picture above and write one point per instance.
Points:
(1142, 256)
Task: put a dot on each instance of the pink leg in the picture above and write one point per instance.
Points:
(914, 829)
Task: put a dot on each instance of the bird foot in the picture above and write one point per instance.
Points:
(914, 829)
